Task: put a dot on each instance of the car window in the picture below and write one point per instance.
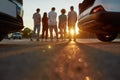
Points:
(85, 5)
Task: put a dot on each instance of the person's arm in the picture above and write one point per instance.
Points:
(59, 21)
(68, 16)
(33, 16)
(76, 16)
(40, 18)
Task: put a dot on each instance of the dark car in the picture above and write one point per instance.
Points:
(11, 17)
(101, 17)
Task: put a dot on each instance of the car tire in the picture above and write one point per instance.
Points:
(106, 37)
(2, 36)
(13, 37)
(20, 38)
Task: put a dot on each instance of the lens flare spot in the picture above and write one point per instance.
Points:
(49, 46)
(80, 60)
(43, 51)
(87, 78)
(69, 57)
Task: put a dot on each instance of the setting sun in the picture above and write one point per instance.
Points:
(72, 32)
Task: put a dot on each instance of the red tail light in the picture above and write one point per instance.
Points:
(97, 9)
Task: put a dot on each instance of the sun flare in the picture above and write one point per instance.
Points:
(72, 32)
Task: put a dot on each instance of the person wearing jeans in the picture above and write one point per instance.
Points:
(52, 22)
(44, 26)
(62, 24)
(37, 24)
(72, 18)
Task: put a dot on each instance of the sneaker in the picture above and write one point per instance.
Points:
(64, 39)
(69, 39)
(42, 40)
(74, 39)
(37, 40)
(45, 40)
(31, 39)
(51, 40)
(57, 40)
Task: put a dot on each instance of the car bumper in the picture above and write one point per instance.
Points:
(101, 22)
(17, 37)
(10, 24)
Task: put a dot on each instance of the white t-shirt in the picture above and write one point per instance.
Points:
(52, 15)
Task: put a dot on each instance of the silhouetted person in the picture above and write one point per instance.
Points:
(45, 26)
(72, 18)
(52, 22)
(37, 24)
(62, 23)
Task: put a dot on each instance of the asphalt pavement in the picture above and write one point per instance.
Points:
(85, 59)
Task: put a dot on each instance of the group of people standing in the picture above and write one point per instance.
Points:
(49, 21)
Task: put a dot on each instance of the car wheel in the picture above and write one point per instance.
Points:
(2, 36)
(13, 37)
(106, 37)
(20, 38)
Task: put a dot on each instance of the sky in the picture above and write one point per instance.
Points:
(30, 6)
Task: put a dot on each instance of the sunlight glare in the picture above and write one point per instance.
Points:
(72, 32)
(49, 46)
(87, 78)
